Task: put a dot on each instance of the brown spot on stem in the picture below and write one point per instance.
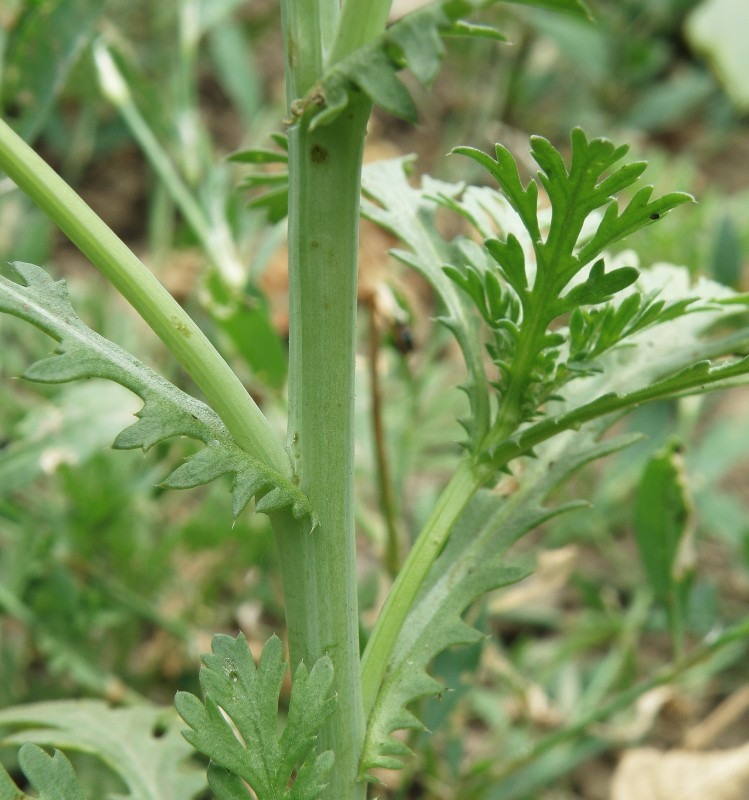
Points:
(318, 154)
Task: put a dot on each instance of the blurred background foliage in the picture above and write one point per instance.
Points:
(110, 587)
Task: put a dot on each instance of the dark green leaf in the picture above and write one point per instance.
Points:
(578, 7)
(473, 30)
(599, 287)
(372, 72)
(275, 203)
(727, 255)
(259, 155)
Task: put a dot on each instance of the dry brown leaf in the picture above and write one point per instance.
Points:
(647, 709)
(649, 774)
(726, 715)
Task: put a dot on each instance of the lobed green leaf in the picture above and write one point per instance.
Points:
(236, 689)
(52, 776)
(533, 365)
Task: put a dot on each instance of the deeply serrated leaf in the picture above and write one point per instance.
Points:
(248, 695)
(473, 563)
(167, 411)
(545, 270)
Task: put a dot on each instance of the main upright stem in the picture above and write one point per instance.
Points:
(319, 567)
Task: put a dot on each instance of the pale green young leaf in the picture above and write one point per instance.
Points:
(167, 411)
(141, 744)
(409, 213)
(238, 690)
(84, 419)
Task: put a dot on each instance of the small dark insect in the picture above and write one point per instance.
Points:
(394, 318)
(655, 216)
(402, 337)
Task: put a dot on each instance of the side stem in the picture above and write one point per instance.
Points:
(137, 284)
(454, 498)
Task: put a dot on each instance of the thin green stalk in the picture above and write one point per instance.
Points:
(456, 495)
(393, 540)
(319, 569)
(189, 128)
(214, 239)
(108, 253)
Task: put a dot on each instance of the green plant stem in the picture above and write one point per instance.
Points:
(309, 28)
(456, 495)
(358, 25)
(319, 568)
(108, 253)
